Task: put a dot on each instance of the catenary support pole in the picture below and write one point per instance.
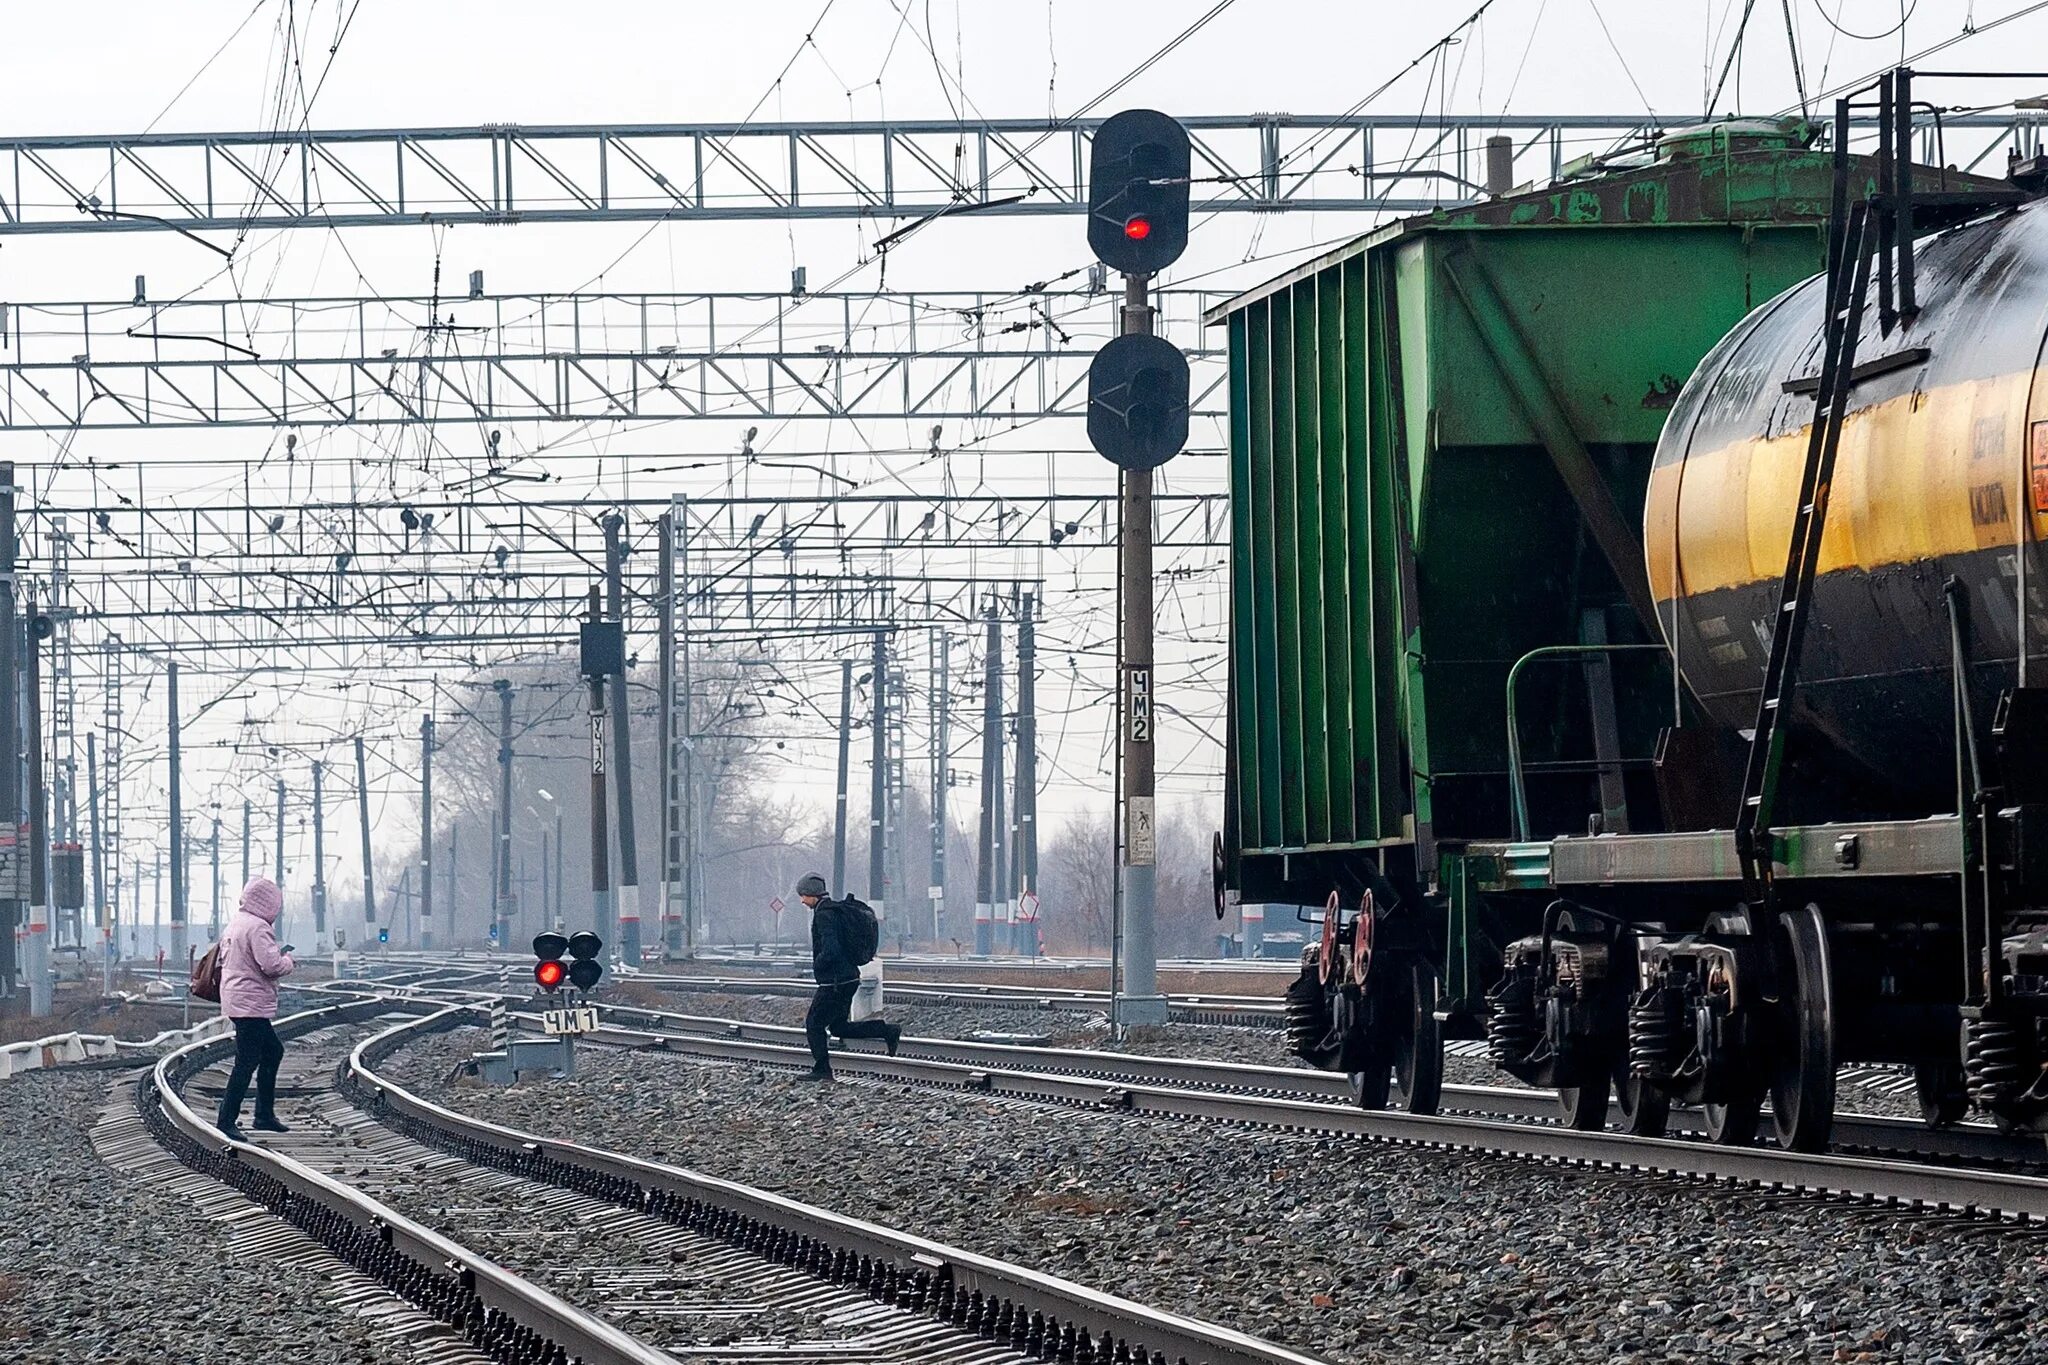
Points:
(665, 745)
(277, 864)
(561, 856)
(501, 854)
(453, 863)
(426, 939)
(1024, 859)
(600, 837)
(942, 710)
(10, 740)
(106, 927)
(985, 890)
(41, 994)
(213, 915)
(319, 857)
(845, 763)
(180, 943)
(622, 751)
(248, 813)
(1004, 908)
(363, 819)
(878, 778)
(1144, 1004)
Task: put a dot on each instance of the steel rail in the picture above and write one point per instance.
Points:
(1859, 1133)
(478, 1287)
(1862, 1178)
(1184, 1006)
(1010, 1292)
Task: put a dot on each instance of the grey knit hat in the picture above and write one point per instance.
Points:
(811, 885)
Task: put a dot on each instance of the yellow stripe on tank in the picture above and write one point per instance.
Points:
(1917, 477)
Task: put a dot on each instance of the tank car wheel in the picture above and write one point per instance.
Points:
(1803, 1081)
(1645, 1110)
(1419, 1053)
(1938, 1085)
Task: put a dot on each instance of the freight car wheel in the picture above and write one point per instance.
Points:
(1372, 1086)
(1419, 1053)
(1645, 1110)
(1803, 1082)
(1734, 1124)
(1583, 1107)
(1938, 1085)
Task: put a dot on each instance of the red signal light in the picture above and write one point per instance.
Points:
(1138, 228)
(550, 974)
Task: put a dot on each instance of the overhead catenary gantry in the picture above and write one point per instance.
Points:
(984, 357)
(880, 170)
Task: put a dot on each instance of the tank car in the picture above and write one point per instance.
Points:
(1524, 495)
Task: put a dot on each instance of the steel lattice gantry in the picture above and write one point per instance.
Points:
(329, 362)
(896, 171)
(904, 170)
(326, 583)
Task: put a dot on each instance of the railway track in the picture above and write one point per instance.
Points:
(543, 1251)
(1974, 1176)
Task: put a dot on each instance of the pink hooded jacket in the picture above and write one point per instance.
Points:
(251, 962)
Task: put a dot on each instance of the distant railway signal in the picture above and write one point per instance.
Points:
(1138, 192)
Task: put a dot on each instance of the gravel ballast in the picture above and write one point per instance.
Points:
(97, 1266)
(1353, 1250)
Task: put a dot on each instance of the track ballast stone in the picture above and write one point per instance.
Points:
(97, 1266)
(1347, 1249)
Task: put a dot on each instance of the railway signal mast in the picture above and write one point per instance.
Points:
(1138, 419)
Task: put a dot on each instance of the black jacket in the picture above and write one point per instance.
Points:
(832, 948)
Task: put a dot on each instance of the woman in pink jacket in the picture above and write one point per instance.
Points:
(251, 964)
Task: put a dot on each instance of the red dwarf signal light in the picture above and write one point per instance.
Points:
(550, 973)
(1138, 228)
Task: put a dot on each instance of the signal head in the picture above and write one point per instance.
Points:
(549, 944)
(549, 973)
(585, 973)
(585, 945)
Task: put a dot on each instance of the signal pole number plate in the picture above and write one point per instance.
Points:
(572, 1020)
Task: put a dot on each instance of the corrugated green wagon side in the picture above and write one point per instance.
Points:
(1440, 437)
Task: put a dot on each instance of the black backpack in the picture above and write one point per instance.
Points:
(863, 930)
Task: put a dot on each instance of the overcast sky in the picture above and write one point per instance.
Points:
(91, 66)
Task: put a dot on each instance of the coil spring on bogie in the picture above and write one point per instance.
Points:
(1655, 1038)
(1513, 1027)
(1308, 1015)
(1994, 1059)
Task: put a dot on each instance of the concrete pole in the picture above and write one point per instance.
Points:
(426, 832)
(1004, 908)
(108, 932)
(10, 738)
(41, 997)
(878, 778)
(453, 863)
(319, 859)
(942, 710)
(985, 890)
(501, 856)
(600, 837)
(1025, 859)
(622, 762)
(561, 856)
(1144, 1004)
(665, 746)
(845, 761)
(213, 924)
(363, 816)
(180, 880)
(277, 863)
(248, 812)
